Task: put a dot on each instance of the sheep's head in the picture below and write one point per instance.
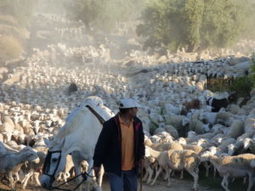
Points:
(231, 149)
(147, 151)
(252, 163)
(205, 156)
(247, 142)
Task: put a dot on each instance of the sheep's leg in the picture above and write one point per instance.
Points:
(207, 168)
(181, 176)
(17, 176)
(173, 173)
(25, 179)
(156, 176)
(150, 175)
(36, 177)
(169, 178)
(250, 182)
(100, 176)
(214, 171)
(66, 176)
(224, 183)
(146, 174)
(12, 183)
(244, 180)
(194, 173)
(166, 174)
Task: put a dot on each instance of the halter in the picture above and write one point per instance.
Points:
(47, 164)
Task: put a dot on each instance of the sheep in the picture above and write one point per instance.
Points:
(150, 164)
(232, 166)
(10, 160)
(236, 129)
(175, 160)
(188, 106)
(65, 174)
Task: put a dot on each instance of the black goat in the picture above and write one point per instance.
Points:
(217, 104)
(72, 88)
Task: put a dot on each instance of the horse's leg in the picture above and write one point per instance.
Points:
(77, 158)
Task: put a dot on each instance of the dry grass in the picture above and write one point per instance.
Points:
(10, 48)
(18, 32)
(8, 19)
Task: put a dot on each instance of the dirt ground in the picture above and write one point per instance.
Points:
(177, 185)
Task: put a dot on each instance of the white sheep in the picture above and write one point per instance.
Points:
(233, 166)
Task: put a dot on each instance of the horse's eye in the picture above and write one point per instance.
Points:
(54, 160)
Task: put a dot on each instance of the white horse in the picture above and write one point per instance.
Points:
(77, 137)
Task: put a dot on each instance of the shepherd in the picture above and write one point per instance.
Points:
(120, 147)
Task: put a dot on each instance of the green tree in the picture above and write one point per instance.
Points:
(192, 24)
(103, 14)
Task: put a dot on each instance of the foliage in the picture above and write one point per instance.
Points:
(103, 14)
(8, 19)
(21, 10)
(18, 32)
(242, 85)
(10, 48)
(252, 74)
(14, 19)
(192, 24)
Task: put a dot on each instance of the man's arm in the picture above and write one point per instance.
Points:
(102, 145)
(141, 143)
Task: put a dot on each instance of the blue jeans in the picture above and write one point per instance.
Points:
(126, 182)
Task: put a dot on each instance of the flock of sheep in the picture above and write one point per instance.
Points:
(37, 95)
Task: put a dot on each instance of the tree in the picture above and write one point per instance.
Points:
(192, 24)
(104, 14)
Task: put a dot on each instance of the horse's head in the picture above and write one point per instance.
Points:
(53, 164)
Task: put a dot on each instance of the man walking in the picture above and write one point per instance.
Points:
(120, 147)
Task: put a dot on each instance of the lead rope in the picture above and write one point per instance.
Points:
(84, 175)
(141, 178)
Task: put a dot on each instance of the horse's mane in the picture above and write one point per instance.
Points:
(74, 118)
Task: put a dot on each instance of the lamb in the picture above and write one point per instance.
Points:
(10, 160)
(233, 166)
(34, 170)
(65, 174)
(150, 164)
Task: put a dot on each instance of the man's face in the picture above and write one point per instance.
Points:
(133, 111)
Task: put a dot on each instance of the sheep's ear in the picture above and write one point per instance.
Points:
(47, 142)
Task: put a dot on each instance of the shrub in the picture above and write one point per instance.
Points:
(193, 24)
(18, 32)
(242, 86)
(8, 19)
(101, 14)
(10, 48)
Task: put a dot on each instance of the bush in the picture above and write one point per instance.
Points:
(20, 10)
(10, 47)
(19, 32)
(101, 14)
(242, 86)
(193, 24)
(8, 19)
